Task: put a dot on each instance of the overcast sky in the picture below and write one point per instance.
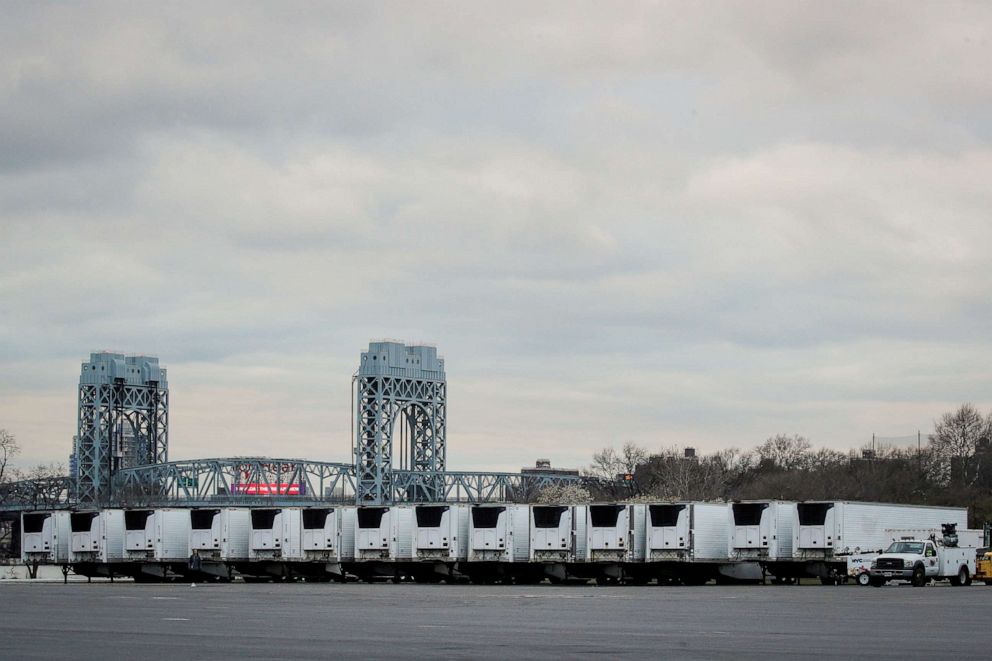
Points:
(669, 223)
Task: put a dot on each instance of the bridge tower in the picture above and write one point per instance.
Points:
(123, 420)
(402, 400)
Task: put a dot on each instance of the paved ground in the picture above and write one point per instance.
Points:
(307, 621)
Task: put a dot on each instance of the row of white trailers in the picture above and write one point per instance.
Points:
(689, 542)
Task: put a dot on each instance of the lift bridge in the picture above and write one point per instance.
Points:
(400, 447)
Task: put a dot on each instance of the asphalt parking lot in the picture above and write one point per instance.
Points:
(384, 621)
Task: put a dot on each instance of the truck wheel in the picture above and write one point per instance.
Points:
(963, 578)
(919, 576)
(864, 578)
(876, 582)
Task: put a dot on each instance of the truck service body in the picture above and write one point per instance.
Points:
(922, 560)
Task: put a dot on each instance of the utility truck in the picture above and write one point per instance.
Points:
(920, 561)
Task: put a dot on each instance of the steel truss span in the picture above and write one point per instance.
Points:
(235, 480)
(287, 482)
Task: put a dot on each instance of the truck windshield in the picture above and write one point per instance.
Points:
(905, 547)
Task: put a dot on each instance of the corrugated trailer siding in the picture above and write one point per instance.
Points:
(172, 531)
(710, 530)
(402, 540)
(347, 523)
(461, 515)
(580, 542)
(112, 535)
(235, 526)
(784, 515)
(864, 524)
(638, 533)
(519, 525)
(292, 533)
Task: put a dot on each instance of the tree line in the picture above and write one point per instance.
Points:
(953, 467)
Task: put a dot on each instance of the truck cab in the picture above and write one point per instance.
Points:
(920, 561)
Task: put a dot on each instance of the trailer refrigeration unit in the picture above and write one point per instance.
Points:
(438, 541)
(825, 533)
(45, 538)
(499, 543)
(220, 537)
(553, 535)
(605, 544)
(761, 531)
(312, 541)
(155, 541)
(383, 536)
(683, 542)
(269, 531)
(96, 547)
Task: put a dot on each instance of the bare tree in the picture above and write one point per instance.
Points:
(785, 452)
(609, 463)
(8, 450)
(955, 438)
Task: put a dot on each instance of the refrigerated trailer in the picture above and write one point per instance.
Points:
(220, 536)
(156, 541)
(825, 533)
(554, 531)
(96, 546)
(269, 531)
(498, 543)
(45, 538)
(604, 537)
(438, 540)
(315, 544)
(761, 531)
(383, 536)
(682, 542)
(157, 535)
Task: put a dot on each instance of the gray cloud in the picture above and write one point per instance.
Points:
(671, 224)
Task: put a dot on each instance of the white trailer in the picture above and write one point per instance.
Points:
(679, 542)
(608, 533)
(557, 534)
(552, 533)
(45, 537)
(974, 538)
(761, 530)
(313, 543)
(826, 533)
(155, 542)
(825, 529)
(383, 538)
(156, 535)
(375, 534)
(440, 532)
(499, 533)
(319, 533)
(96, 545)
(267, 532)
(219, 536)
(686, 532)
(432, 538)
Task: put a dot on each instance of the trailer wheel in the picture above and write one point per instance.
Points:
(919, 576)
(864, 578)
